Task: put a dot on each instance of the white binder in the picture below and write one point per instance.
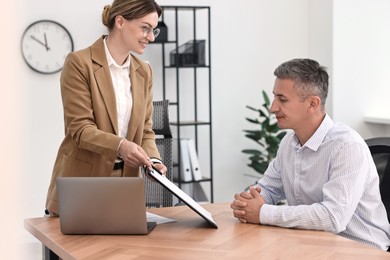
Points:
(185, 166)
(194, 161)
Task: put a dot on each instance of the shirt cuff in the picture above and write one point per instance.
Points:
(117, 153)
(155, 160)
(267, 213)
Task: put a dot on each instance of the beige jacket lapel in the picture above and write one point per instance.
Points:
(137, 88)
(103, 81)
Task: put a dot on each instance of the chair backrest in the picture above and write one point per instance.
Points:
(161, 118)
(156, 194)
(380, 151)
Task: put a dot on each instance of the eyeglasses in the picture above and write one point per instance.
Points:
(147, 30)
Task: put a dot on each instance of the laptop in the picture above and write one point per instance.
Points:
(181, 195)
(102, 206)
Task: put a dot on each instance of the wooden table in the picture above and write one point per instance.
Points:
(192, 238)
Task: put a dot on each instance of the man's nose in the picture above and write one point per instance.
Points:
(273, 107)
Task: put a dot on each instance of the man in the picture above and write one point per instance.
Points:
(323, 169)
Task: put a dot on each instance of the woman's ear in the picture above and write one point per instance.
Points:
(119, 20)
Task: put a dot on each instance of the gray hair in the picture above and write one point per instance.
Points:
(310, 78)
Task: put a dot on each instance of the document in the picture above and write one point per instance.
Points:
(151, 217)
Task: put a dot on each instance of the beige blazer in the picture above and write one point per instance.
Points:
(90, 117)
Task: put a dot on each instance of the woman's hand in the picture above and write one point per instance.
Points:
(134, 155)
(161, 168)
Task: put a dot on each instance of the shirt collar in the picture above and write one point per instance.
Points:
(319, 135)
(110, 59)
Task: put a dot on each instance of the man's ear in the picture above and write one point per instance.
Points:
(315, 102)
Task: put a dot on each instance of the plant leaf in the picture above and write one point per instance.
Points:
(281, 135)
(252, 108)
(267, 136)
(255, 121)
(266, 99)
(259, 167)
(251, 151)
(273, 128)
(262, 114)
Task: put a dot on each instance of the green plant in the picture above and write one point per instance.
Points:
(268, 136)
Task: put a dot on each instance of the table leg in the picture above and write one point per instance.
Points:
(47, 254)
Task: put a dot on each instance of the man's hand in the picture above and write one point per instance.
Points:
(246, 205)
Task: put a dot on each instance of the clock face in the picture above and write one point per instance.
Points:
(45, 45)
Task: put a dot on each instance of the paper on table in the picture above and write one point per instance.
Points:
(158, 219)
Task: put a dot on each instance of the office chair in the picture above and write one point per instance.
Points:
(156, 195)
(380, 151)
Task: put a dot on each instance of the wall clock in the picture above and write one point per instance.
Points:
(45, 45)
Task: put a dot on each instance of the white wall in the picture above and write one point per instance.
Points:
(10, 131)
(249, 39)
(254, 41)
(321, 39)
(361, 55)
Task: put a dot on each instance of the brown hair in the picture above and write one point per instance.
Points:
(129, 9)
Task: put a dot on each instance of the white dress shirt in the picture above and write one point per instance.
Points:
(330, 183)
(120, 75)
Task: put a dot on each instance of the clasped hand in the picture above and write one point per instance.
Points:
(246, 205)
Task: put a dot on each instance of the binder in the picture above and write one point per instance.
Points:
(198, 193)
(194, 161)
(185, 166)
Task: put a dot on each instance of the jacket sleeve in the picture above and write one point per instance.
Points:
(149, 139)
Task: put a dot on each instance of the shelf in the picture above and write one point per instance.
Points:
(204, 179)
(167, 7)
(190, 123)
(186, 67)
(377, 120)
(200, 17)
(166, 42)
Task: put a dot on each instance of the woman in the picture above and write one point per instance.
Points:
(107, 99)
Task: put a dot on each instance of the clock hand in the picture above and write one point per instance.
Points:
(38, 41)
(47, 47)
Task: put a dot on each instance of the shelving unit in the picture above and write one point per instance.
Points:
(189, 118)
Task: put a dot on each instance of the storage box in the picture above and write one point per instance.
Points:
(191, 53)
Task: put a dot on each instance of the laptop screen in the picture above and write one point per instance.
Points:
(155, 174)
